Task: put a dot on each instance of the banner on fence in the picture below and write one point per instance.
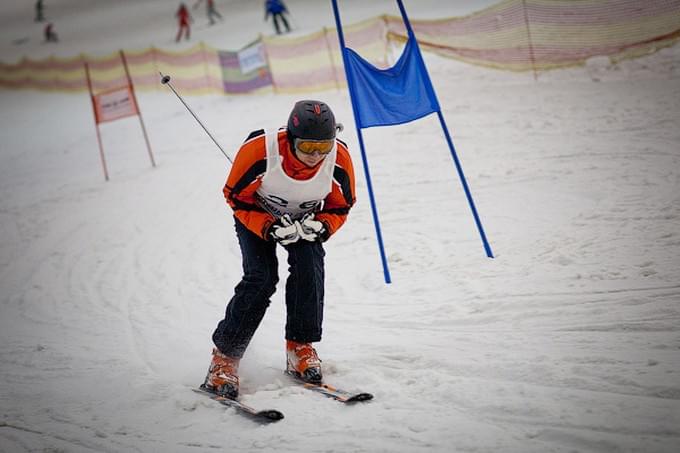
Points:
(245, 70)
(252, 58)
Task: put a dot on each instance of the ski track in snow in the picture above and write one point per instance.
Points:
(569, 340)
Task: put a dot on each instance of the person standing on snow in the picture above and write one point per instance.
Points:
(183, 18)
(276, 8)
(39, 11)
(50, 34)
(210, 9)
(294, 188)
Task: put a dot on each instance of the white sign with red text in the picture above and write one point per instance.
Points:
(113, 104)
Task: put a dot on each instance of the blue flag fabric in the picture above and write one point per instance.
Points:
(394, 95)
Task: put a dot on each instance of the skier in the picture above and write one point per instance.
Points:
(39, 11)
(50, 34)
(276, 8)
(294, 187)
(210, 9)
(184, 18)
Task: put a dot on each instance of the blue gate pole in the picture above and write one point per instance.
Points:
(452, 149)
(364, 158)
(459, 167)
(374, 210)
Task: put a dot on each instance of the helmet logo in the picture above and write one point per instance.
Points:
(296, 120)
(317, 109)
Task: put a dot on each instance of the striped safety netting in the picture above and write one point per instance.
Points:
(517, 35)
(539, 35)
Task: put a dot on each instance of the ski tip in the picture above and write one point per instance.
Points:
(271, 415)
(360, 397)
(203, 389)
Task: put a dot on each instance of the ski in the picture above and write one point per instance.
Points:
(263, 416)
(332, 392)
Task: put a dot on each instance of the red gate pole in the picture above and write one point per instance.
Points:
(96, 119)
(139, 112)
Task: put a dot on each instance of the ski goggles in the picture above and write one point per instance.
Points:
(321, 147)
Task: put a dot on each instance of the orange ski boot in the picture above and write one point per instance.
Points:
(303, 361)
(222, 378)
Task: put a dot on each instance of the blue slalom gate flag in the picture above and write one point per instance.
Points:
(396, 95)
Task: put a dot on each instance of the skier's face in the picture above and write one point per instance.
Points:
(310, 160)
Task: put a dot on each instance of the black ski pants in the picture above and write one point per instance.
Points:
(276, 17)
(304, 292)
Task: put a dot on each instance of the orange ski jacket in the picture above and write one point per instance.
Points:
(250, 165)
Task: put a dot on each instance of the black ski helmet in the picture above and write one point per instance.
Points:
(312, 120)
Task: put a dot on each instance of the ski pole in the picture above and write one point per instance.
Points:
(165, 80)
(294, 25)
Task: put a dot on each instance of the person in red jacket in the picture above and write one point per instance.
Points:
(293, 188)
(183, 18)
(50, 34)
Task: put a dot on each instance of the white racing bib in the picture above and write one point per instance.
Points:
(281, 194)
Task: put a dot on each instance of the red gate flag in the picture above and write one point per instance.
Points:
(114, 104)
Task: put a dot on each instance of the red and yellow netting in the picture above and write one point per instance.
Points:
(517, 35)
(522, 35)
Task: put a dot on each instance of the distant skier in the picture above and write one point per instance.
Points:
(183, 18)
(276, 8)
(210, 10)
(50, 34)
(293, 187)
(39, 11)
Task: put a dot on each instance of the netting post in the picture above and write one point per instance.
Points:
(531, 44)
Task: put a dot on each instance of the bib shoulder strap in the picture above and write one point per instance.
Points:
(272, 144)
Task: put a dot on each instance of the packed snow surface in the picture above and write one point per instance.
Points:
(569, 340)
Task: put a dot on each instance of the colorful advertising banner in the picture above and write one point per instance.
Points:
(246, 70)
(252, 58)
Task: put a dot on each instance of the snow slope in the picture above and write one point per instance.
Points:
(568, 341)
